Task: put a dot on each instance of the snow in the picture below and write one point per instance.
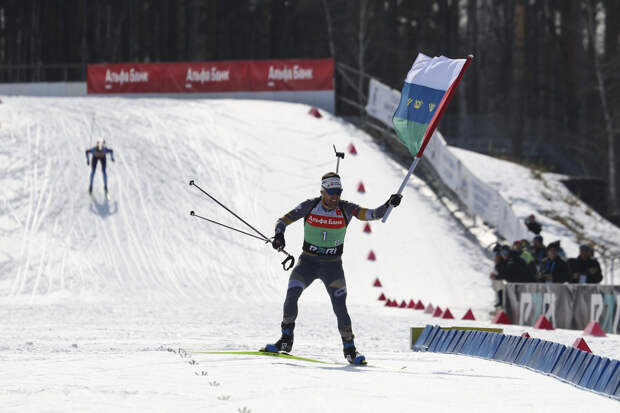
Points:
(93, 293)
(563, 216)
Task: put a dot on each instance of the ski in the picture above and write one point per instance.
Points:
(266, 353)
(286, 355)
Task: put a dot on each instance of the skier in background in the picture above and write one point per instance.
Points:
(99, 153)
(325, 224)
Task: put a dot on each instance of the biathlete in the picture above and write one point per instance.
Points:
(325, 224)
(99, 153)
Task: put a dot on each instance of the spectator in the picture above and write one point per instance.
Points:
(594, 270)
(556, 244)
(512, 268)
(533, 225)
(553, 268)
(496, 276)
(585, 268)
(539, 250)
(509, 267)
(522, 247)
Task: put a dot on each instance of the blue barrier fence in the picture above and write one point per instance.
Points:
(582, 369)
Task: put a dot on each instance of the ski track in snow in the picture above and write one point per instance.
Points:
(92, 292)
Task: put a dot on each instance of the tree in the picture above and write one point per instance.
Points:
(609, 127)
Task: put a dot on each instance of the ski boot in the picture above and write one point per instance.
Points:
(90, 190)
(285, 343)
(351, 354)
(107, 194)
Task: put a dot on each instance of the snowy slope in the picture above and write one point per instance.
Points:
(260, 159)
(563, 216)
(93, 292)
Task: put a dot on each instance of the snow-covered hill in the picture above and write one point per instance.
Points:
(91, 290)
(259, 158)
(564, 216)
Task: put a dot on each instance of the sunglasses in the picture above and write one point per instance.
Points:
(333, 191)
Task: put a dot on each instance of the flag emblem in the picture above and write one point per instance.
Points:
(428, 82)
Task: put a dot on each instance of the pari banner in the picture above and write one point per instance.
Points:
(570, 306)
(212, 77)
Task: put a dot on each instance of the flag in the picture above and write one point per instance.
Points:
(428, 88)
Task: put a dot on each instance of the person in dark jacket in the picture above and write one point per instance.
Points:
(533, 225)
(99, 153)
(558, 247)
(513, 268)
(522, 247)
(554, 269)
(496, 279)
(326, 219)
(509, 267)
(539, 251)
(585, 269)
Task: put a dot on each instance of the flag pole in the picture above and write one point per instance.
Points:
(430, 130)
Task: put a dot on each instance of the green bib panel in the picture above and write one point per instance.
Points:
(324, 231)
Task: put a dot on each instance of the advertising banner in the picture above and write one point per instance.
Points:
(482, 199)
(570, 306)
(124, 78)
(382, 101)
(206, 77)
(277, 75)
(212, 77)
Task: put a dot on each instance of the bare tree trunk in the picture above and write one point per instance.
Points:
(84, 39)
(330, 31)
(332, 46)
(472, 76)
(211, 35)
(361, 56)
(613, 199)
(34, 35)
(517, 98)
(109, 54)
(181, 44)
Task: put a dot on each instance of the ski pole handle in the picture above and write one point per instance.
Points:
(290, 260)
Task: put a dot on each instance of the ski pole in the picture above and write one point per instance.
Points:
(192, 183)
(338, 156)
(92, 128)
(288, 262)
(192, 213)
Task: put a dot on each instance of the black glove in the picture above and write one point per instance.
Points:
(394, 200)
(278, 241)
